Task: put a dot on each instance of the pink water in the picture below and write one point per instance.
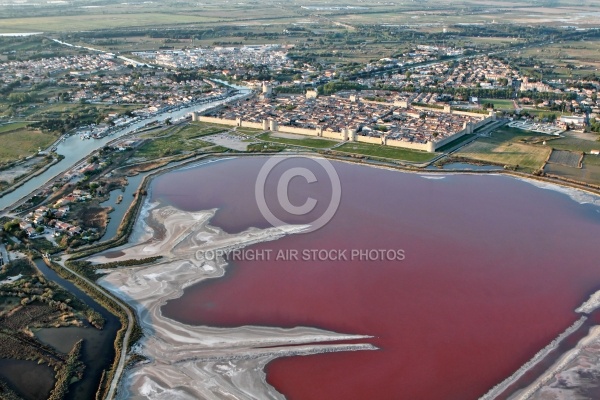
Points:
(494, 269)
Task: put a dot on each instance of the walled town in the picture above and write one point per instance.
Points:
(398, 123)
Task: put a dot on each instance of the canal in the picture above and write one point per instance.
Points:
(98, 345)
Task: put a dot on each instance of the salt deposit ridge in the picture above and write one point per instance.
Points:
(198, 361)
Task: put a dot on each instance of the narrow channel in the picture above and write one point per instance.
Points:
(97, 351)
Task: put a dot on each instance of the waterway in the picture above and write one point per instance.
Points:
(32, 380)
(74, 149)
(494, 268)
(97, 350)
(119, 209)
(20, 34)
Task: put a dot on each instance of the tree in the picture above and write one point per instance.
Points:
(19, 98)
(11, 226)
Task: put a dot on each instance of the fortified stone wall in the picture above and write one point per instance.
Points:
(469, 114)
(221, 121)
(299, 131)
(484, 121)
(334, 135)
(255, 125)
(349, 134)
(369, 139)
(449, 139)
(428, 147)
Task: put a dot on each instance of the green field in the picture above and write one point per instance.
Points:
(386, 152)
(542, 113)
(21, 142)
(72, 107)
(305, 142)
(13, 127)
(509, 147)
(574, 144)
(582, 54)
(169, 146)
(176, 140)
(199, 129)
(101, 21)
(83, 112)
(591, 160)
(499, 104)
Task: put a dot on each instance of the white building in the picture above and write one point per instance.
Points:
(575, 120)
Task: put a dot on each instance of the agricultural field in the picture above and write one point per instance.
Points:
(12, 127)
(102, 21)
(354, 32)
(508, 147)
(394, 153)
(576, 142)
(566, 158)
(589, 173)
(568, 59)
(18, 141)
(495, 41)
(590, 160)
(83, 113)
(22, 48)
(111, 15)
